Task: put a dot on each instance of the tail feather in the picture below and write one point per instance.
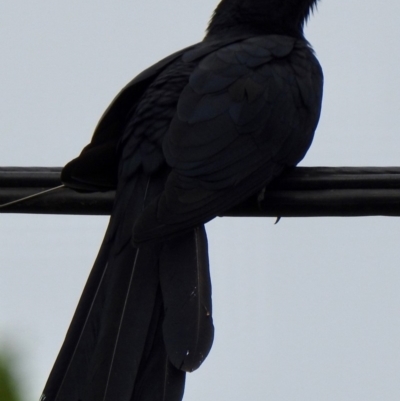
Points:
(126, 324)
(144, 316)
(186, 288)
(72, 349)
(158, 379)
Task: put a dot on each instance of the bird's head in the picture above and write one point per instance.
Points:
(286, 17)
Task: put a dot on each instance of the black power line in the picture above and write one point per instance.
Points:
(302, 192)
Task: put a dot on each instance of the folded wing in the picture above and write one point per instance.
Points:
(250, 110)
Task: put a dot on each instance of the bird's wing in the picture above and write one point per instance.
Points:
(249, 110)
(96, 168)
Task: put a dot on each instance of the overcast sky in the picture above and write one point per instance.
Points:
(306, 310)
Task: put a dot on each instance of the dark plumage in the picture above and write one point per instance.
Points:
(186, 140)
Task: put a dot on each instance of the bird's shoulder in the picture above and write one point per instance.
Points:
(256, 86)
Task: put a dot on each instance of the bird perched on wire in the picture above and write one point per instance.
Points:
(183, 142)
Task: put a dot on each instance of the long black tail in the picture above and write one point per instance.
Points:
(144, 317)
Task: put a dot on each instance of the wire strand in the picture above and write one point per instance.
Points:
(30, 196)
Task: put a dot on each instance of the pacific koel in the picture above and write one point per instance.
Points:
(185, 141)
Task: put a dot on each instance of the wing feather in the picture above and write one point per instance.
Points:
(250, 110)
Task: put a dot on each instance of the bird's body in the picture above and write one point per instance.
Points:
(186, 140)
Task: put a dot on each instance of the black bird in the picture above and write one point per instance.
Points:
(186, 140)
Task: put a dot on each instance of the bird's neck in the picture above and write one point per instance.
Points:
(284, 17)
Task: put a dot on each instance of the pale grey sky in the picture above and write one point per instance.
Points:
(306, 310)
